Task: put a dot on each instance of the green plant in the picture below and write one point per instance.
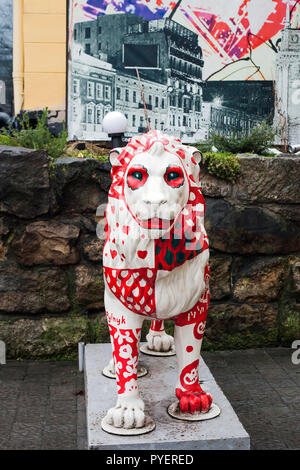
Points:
(87, 154)
(223, 165)
(6, 140)
(38, 138)
(259, 139)
(203, 146)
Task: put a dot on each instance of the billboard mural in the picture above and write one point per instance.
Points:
(6, 46)
(201, 65)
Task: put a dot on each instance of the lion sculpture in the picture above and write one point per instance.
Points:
(155, 263)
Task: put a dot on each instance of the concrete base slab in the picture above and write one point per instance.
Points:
(157, 390)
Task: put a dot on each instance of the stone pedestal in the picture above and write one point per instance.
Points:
(157, 390)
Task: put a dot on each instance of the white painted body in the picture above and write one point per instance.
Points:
(151, 187)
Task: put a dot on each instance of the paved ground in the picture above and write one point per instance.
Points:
(42, 403)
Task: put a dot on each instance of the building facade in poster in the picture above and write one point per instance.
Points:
(6, 47)
(171, 80)
(214, 67)
(287, 86)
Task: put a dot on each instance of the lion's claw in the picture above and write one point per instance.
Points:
(160, 342)
(128, 413)
(194, 401)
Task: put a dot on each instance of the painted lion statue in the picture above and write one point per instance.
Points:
(155, 263)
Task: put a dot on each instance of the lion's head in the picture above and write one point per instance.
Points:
(154, 224)
(153, 174)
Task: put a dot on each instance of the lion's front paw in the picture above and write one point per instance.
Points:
(194, 401)
(128, 413)
(160, 342)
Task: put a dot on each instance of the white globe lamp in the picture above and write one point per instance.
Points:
(115, 124)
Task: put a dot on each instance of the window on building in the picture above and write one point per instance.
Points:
(150, 99)
(173, 120)
(75, 34)
(90, 114)
(126, 95)
(163, 103)
(107, 92)
(156, 102)
(99, 91)
(134, 96)
(90, 89)
(99, 30)
(133, 120)
(179, 121)
(99, 115)
(118, 93)
(87, 33)
(141, 121)
(74, 112)
(156, 123)
(76, 86)
(87, 48)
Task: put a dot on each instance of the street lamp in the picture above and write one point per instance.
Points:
(115, 124)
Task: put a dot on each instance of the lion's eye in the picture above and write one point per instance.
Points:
(137, 177)
(174, 177)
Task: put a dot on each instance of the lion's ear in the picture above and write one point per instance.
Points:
(114, 156)
(197, 156)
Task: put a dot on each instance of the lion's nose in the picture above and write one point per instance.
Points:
(156, 200)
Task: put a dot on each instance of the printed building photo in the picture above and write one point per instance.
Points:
(195, 68)
(6, 45)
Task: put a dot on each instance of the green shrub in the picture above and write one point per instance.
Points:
(260, 138)
(6, 140)
(203, 146)
(38, 138)
(87, 154)
(223, 165)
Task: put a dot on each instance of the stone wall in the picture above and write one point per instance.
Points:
(51, 285)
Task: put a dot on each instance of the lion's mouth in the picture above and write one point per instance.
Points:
(156, 223)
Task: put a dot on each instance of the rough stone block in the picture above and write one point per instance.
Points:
(24, 182)
(47, 242)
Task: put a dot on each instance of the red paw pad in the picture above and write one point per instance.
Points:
(194, 401)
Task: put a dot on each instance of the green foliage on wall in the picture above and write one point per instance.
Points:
(223, 165)
(37, 138)
(260, 138)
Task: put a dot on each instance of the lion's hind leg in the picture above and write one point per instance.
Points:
(157, 339)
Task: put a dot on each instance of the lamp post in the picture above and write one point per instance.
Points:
(115, 124)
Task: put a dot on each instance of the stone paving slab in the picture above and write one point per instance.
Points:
(157, 389)
(272, 421)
